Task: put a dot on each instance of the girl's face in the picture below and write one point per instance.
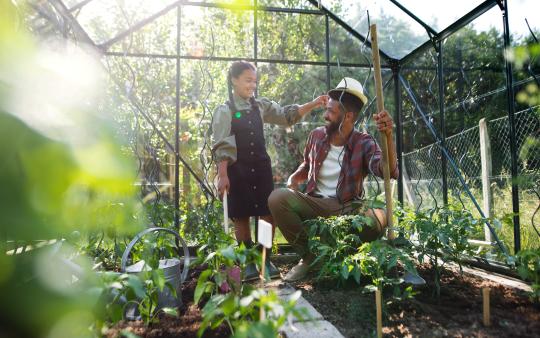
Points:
(244, 85)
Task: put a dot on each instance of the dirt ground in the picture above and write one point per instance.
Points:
(457, 313)
(186, 325)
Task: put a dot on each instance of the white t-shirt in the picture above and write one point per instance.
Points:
(327, 179)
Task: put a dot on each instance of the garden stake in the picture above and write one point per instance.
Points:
(379, 312)
(384, 141)
(225, 213)
(261, 315)
(485, 296)
(264, 237)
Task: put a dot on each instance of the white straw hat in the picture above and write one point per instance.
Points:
(351, 86)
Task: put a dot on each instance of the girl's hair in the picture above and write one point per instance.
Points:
(236, 68)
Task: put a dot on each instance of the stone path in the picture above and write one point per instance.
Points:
(314, 327)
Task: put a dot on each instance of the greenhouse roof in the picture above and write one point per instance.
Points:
(422, 22)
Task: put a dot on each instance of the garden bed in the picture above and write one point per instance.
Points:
(458, 312)
(186, 325)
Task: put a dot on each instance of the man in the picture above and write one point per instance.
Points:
(337, 158)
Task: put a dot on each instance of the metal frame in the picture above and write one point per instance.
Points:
(396, 65)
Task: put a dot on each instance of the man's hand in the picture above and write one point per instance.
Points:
(223, 185)
(293, 182)
(385, 124)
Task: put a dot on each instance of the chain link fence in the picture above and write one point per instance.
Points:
(423, 169)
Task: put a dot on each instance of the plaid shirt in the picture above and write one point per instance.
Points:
(361, 155)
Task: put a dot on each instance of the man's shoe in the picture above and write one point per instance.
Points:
(271, 271)
(250, 273)
(298, 272)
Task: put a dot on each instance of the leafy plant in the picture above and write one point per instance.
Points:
(242, 312)
(118, 291)
(378, 260)
(333, 240)
(528, 268)
(441, 234)
(224, 266)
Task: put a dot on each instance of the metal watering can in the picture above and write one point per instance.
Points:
(172, 271)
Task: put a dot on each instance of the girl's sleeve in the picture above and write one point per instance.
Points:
(223, 143)
(273, 113)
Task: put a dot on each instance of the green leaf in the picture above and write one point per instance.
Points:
(356, 274)
(136, 285)
(371, 288)
(229, 305)
(210, 256)
(256, 330)
(228, 253)
(159, 279)
(201, 285)
(344, 271)
(245, 301)
(170, 311)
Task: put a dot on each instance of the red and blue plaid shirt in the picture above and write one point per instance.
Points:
(361, 156)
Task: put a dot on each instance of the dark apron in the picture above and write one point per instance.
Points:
(250, 176)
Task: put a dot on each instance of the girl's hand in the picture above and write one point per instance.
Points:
(321, 101)
(223, 185)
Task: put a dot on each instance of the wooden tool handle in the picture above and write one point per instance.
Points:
(384, 140)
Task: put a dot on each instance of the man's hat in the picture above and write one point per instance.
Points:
(351, 86)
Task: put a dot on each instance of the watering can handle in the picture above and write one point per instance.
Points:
(130, 246)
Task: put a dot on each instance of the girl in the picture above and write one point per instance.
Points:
(244, 167)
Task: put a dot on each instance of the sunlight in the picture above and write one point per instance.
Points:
(53, 89)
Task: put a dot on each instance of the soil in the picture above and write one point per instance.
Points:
(186, 325)
(456, 313)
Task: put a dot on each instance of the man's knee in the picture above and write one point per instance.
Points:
(277, 198)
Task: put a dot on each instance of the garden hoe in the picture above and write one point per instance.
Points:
(408, 277)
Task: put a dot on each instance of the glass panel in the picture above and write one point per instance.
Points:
(302, 4)
(474, 90)
(474, 71)
(527, 121)
(158, 37)
(518, 12)
(138, 87)
(421, 156)
(287, 36)
(103, 19)
(201, 39)
(437, 14)
(398, 34)
(288, 84)
(346, 48)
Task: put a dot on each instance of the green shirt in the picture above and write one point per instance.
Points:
(224, 144)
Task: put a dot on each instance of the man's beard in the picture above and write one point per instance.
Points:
(332, 127)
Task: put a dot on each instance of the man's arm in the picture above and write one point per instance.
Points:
(301, 174)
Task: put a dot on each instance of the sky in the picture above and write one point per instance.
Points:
(441, 13)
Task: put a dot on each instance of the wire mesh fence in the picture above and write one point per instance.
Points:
(423, 170)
